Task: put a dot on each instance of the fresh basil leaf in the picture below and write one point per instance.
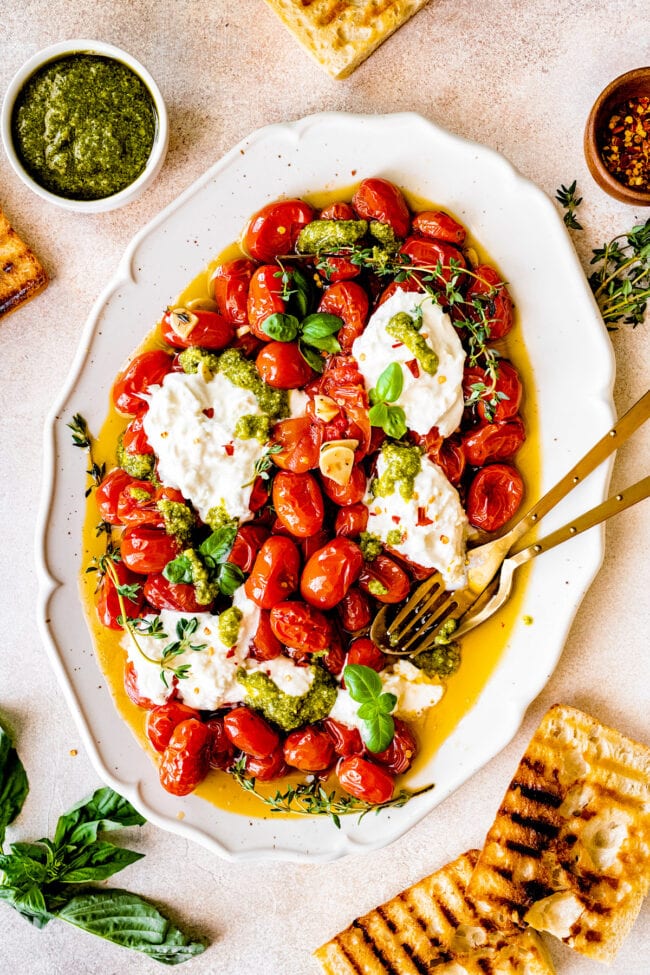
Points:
(326, 343)
(367, 711)
(320, 324)
(386, 702)
(34, 851)
(379, 732)
(378, 415)
(282, 328)
(128, 920)
(395, 425)
(390, 383)
(363, 683)
(230, 578)
(311, 358)
(13, 783)
(178, 570)
(29, 902)
(105, 810)
(217, 545)
(302, 294)
(98, 861)
(22, 871)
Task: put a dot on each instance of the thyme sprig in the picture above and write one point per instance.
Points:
(263, 465)
(313, 799)
(566, 197)
(81, 438)
(621, 279)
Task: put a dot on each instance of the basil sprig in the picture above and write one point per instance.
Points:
(316, 331)
(366, 688)
(50, 879)
(213, 554)
(391, 419)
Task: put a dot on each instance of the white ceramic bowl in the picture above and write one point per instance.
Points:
(161, 138)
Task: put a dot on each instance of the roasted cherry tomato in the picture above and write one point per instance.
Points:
(498, 306)
(145, 549)
(411, 284)
(378, 199)
(440, 226)
(364, 651)
(264, 298)
(204, 328)
(399, 755)
(250, 732)
(298, 503)
(347, 741)
(362, 779)
(185, 761)
(138, 503)
(354, 610)
(300, 440)
(132, 689)
(275, 572)
(494, 441)
(221, 750)
(162, 720)
(248, 541)
(343, 383)
(108, 603)
(146, 370)
(427, 254)
(447, 453)
(338, 211)
(350, 493)
(273, 230)
(383, 579)
(134, 439)
(349, 301)
(230, 283)
(309, 749)
(281, 365)
(494, 496)
(336, 268)
(507, 391)
(108, 493)
(297, 625)
(310, 545)
(266, 645)
(179, 596)
(330, 572)
(351, 520)
(265, 769)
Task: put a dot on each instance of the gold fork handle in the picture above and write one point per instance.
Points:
(615, 438)
(618, 502)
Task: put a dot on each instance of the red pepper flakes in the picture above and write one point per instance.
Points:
(626, 150)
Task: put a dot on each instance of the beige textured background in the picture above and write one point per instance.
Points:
(518, 75)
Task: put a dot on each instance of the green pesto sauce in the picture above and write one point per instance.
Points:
(286, 710)
(370, 545)
(140, 466)
(218, 517)
(192, 358)
(243, 373)
(440, 661)
(252, 427)
(139, 494)
(394, 537)
(84, 126)
(205, 590)
(179, 519)
(228, 625)
(328, 235)
(403, 328)
(384, 233)
(402, 465)
(377, 588)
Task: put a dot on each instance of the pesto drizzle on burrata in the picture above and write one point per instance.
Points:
(84, 126)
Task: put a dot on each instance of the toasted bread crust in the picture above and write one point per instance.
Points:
(21, 274)
(568, 850)
(340, 34)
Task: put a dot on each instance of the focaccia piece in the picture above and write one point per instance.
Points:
(433, 926)
(569, 850)
(340, 34)
(21, 273)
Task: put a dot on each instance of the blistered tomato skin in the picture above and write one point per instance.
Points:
(132, 690)
(230, 283)
(345, 494)
(411, 285)
(494, 496)
(347, 741)
(281, 365)
(309, 749)
(499, 309)
(378, 199)
(338, 211)
(275, 572)
(108, 605)
(300, 440)
(298, 503)
(440, 226)
(351, 520)
(264, 299)
(399, 755)
(365, 652)
(428, 254)
(266, 645)
(145, 549)
(162, 594)
(349, 301)
(212, 331)
(330, 572)
(146, 370)
(354, 610)
(384, 579)
(162, 720)
(297, 625)
(273, 230)
(185, 761)
(269, 768)
(507, 391)
(221, 751)
(250, 732)
(494, 441)
(134, 439)
(248, 541)
(108, 493)
(362, 779)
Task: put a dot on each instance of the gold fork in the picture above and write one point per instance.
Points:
(432, 612)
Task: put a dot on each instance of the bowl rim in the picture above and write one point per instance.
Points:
(599, 171)
(161, 138)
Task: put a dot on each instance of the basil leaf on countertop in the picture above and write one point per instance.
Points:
(105, 810)
(128, 920)
(13, 783)
(98, 861)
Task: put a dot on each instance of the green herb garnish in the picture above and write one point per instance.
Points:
(366, 688)
(566, 197)
(391, 419)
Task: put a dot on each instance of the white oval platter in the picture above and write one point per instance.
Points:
(574, 371)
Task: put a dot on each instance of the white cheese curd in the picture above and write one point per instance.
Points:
(414, 691)
(439, 545)
(427, 401)
(345, 710)
(285, 674)
(197, 452)
(297, 402)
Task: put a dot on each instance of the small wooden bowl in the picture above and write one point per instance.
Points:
(632, 84)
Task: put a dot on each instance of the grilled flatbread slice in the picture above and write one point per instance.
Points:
(433, 927)
(21, 274)
(340, 34)
(569, 850)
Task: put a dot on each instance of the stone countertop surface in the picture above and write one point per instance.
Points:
(516, 75)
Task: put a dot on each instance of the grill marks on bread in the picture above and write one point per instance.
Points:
(433, 927)
(569, 850)
(21, 274)
(340, 34)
